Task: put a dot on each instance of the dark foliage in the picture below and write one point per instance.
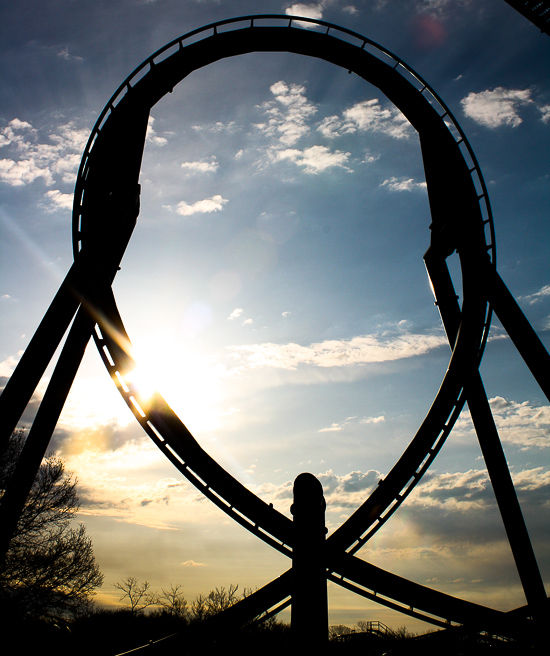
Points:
(50, 570)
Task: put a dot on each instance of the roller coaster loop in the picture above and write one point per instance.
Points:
(106, 207)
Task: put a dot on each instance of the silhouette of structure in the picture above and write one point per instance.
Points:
(309, 617)
(537, 11)
(106, 207)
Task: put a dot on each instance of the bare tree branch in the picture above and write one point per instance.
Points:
(50, 568)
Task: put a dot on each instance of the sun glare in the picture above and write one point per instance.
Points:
(188, 379)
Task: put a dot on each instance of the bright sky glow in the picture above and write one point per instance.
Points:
(274, 289)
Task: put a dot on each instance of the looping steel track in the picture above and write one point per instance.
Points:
(106, 207)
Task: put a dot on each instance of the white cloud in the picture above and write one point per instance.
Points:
(22, 172)
(403, 184)
(545, 111)
(367, 116)
(466, 491)
(308, 11)
(454, 494)
(59, 200)
(10, 133)
(201, 166)
(330, 127)
(152, 136)
(350, 9)
(67, 167)
(32, 159)
(462, 491)
(287, 115)
(8, 365)
(342, 491)
(314, 159)
(235, 314)
(522, 424)
(205, 206)
(497, 107)
(362, 350)
(288, 119)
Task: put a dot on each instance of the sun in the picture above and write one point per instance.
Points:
(188, 379)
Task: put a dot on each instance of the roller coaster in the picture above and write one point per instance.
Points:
(106, 208)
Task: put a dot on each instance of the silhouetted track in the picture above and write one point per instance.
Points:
(106, 206)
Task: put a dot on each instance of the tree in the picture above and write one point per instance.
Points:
(50, 569)
(215, 602)
(137, 593)
(336, 630)
(173, 602)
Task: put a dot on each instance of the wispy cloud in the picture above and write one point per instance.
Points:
(438, 7)
(314, 159)
(352, 421)
(367, 116)
(288, 114)
(217, 127)
(288, 120)
(361, 350)
(65, 54)
(149, 498)
(537, 297)
(192, 563)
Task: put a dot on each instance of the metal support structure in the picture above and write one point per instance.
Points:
(536, 11)
(106, 206)
(309, 616)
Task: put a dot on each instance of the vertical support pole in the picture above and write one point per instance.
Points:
(309, 614)
(505, 493)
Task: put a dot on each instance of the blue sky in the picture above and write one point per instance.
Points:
(274, 285)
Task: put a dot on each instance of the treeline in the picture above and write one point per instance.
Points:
(148, 617)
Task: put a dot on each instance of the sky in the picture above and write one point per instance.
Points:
(274, 287)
